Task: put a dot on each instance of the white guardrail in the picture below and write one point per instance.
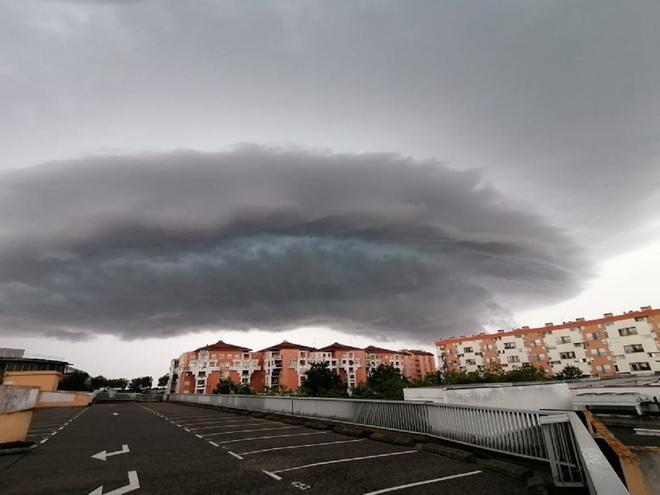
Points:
(556, 437)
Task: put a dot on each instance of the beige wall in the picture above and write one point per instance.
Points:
(14, 426)
(46, 380)
(63, 399)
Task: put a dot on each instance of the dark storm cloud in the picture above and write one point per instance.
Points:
(161, 244)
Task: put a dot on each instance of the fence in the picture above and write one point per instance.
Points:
(539, 435)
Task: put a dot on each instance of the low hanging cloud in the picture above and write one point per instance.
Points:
(163, 244)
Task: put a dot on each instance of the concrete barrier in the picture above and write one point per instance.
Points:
(16, 404)
(64, 399)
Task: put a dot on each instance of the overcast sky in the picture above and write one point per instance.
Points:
(371, 172)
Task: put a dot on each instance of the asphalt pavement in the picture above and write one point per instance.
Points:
(166, 448)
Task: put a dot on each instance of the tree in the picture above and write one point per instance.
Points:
(225, 386)
(321, 381)
(99, 382)
(526, 373)
(140, 384)
(117, 383)
(569, 373)
(384, 382)
(162, 381)
(75, 381)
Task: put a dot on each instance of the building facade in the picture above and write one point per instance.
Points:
(201, 370)
(417, 364)
(284, 365)
(628, 343)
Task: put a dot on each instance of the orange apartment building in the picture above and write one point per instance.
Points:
(628, 343)
(417, 364)
(285, 364)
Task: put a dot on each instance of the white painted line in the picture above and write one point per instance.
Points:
(336, 461)
(60, 428)
(233, 425)
(104, 454)
(133, 484)
(249, 431)
(647, 432)
(44, 440)
(187, 429)
(301, 446)
(198, 435)
(234, 454)
(273, 436)
(272, 475)
(53, 434)
(419, 483)
(222, 422)
(214, 444)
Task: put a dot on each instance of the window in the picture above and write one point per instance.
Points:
(593, 336)
(640, 366)
(623, 332)
(567, 355)
(470, 362)
(629, 349)
(599, 351)
(640, 318)
(467, 349)
(509, 345)
(608, 323)
(513, 359)
(578, 344)
(555, 362)
(538, 342)
(563, 340)
(201, 373)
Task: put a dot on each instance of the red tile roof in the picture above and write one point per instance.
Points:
(223, 346)
(416, 352)
(339, 347)
(373, 349)
(285, 344)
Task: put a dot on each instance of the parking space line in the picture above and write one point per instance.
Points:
(301, 446)
(235, 455)
(263, 423)
(249, 431)
(272, 436)
(185, 423)
(337, 461)
(419, 483)
(272, 475)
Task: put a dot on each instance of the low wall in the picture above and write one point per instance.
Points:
(16, 405)
(64, 399)
(546, 396)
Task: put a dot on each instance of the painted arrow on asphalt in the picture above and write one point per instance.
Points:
(103, 455)
(115, 413)
(133, 484)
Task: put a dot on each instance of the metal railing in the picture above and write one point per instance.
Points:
(545, 436)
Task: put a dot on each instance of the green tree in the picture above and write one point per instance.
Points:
(321, 381)
(225, 386)
(98, 382)
(75, 381)
(526, 373)
(384, 382)
(118, 383)
(140, 384)
(569, 373)
(162, 381)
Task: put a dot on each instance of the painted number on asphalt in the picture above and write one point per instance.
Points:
(301, 485)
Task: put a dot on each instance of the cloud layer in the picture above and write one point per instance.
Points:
(162, 244)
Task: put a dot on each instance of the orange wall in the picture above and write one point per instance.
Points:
(14, 426)
(45, 380)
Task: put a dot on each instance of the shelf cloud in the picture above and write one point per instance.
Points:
(148, 245)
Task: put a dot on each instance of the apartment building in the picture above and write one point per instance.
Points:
(417, 364)
(285, 364)
(350, 362)
(199, 371)
(376, 356)
(613, 344)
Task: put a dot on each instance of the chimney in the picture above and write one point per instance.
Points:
(549, 324)
(608, 315)
(579, 319)
(645, 308)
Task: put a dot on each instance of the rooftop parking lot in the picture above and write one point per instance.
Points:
(160, 448)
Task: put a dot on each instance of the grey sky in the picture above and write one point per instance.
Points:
(556, 103)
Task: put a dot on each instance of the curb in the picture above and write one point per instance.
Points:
(458, 454)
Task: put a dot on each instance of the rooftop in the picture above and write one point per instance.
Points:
(223, 346)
